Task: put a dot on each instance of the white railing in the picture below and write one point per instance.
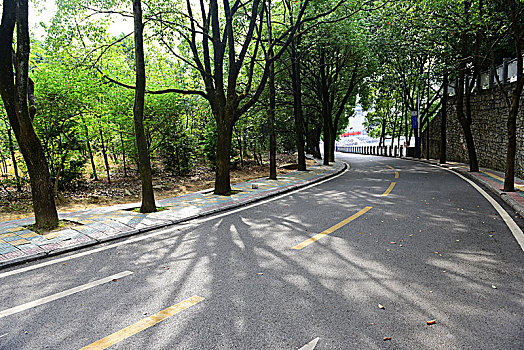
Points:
(506, 72)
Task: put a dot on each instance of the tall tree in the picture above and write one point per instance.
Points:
(14, 92)
(225, 54)
(510, 13)
(148, 198)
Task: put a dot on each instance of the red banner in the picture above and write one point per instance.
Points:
(354, 133)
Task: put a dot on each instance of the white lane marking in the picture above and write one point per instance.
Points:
(515, 230)
(3, 335)
(164, 231)
(63, 294)
(311, 345)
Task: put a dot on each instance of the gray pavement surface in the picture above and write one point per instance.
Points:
(430, 248)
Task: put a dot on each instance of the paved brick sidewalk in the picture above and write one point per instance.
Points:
(19, 244)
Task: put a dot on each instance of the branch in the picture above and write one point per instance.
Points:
(153, 92)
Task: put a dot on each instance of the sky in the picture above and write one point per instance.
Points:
(42, 11)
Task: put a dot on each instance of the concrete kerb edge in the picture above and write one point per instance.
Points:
(134, 232)
(501, 194)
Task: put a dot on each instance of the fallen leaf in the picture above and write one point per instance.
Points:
(393, 242)
(26, 332)
(380, 306)
(63, 264)
(114, 280)
(388, 250)
(387, 338)
(431, 321)
(371, 324)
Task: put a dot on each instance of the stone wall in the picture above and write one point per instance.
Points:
(489, 114)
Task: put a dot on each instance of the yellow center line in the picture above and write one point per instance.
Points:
(390, 188)
(331, 229)
(144, 323)
(396, 172)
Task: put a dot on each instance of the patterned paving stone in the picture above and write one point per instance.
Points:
(11, 238)
(28, 235)
(19, 242)
(100, 224)
(16, 229)
(7, 248)
(115, 224)
(30, 249)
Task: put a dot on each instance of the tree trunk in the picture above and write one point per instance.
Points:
(382, 141)
(427, 136)
(123, 152)
(104, 153)
(60, 167)
(91, 158)
(327, 138)
(297, 106)
(465, 122)
(332, 147)
(240, 149)
(443, 120)
(223, 149)
(3, 162)
(509, 179)
(14, 96)
(148, 198)
(317, 133)
(13, 159)
(271, 112)
(393, 133)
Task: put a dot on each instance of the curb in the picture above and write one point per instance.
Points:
(499, 193)
(133, 232)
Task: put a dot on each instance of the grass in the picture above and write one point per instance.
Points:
(137, 210)
(62, 224)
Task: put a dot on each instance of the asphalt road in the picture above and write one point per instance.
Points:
(429, 248)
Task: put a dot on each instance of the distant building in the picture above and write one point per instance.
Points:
(356, 133)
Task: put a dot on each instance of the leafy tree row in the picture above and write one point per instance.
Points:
(190, 82)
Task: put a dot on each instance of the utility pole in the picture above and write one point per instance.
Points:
(419, 127)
